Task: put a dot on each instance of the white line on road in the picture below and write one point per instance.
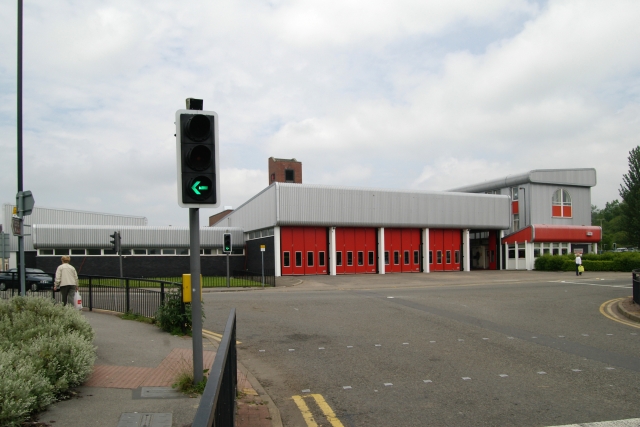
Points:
(591, 284)
(635, 422)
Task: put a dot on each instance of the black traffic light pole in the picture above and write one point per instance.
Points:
(21, 263)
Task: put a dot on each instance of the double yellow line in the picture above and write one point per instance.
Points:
(214, 336)
(322, 404)
(607, 310)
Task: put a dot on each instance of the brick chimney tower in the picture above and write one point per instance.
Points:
(285, 170)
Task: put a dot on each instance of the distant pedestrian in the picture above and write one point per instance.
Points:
(578, 263)
(66, 280)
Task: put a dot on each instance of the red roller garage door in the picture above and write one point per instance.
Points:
(444, 250)
(402, 250)
(303, 250)
(355, 250)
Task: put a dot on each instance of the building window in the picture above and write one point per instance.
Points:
(448, 257)
(45, 252)
(310, 259)
(371, 258)
(339, 259)
(349, 258)
(285, 259)
(406, 257)
(514, 194)
(321, 259)
(521, 254)
(61, 251)
(298, 259)
(396, 257)
(561, 204)
(360, 258)
(168, 252)
(430, 257)
(77, 251)
(416, 257)
(516, 222)
(289, 175)
(457, 257)
(94, 251)
(512, 252)
(386, 257)
(439, 257)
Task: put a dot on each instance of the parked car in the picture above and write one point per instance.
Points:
(36, 280)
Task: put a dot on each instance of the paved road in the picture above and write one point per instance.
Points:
(485, 349)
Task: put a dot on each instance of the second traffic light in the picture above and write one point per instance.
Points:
(226, 248)
(115, 241)
(197, 155)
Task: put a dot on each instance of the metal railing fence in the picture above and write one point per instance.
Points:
(635, 278)
(123, 295)
(218, 403)
(238, 279)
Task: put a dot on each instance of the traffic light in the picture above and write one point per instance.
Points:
(115, 241)
(227, 243)
(197, 155)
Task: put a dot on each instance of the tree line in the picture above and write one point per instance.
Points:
(620, 219)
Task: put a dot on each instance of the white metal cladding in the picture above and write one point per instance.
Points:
(573, 177)
(77, 236)
(256, 213)
(41, 215)
(303, 204)
(540, 210)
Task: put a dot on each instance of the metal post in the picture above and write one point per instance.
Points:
(228, 277)
(262, 268)
(19, 94)
(90, 295)
(196, 306)
(127, 302)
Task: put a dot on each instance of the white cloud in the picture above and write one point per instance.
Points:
(384, 94)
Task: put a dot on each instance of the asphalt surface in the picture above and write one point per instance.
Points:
(440, 349)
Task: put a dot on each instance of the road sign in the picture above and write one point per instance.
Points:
(16, 226)
(25, 202)
(262, 248)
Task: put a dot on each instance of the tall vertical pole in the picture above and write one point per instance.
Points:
(228, 276)
(21, 266)
(262, 252)
(196, 305)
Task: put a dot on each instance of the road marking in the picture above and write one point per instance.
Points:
(591, 284)
(324, 407)
(542, 373)
(620, 423)
(504, 375)
(607, 311)
(466, 378)
(214, 336)
(346, 387)
(427, 381)
(388, 384)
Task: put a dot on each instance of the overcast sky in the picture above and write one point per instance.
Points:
(400, 94)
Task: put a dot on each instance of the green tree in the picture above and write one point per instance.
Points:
(630, 193)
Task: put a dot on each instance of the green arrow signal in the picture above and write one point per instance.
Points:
(196, 187)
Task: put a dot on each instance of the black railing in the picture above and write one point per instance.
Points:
(238, 279)
(218, 403)
(123, 295)
(635, 275)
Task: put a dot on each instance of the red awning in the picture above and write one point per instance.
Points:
(556, 233)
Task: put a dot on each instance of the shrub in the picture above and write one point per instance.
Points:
(45, 349)
(608, 261)
(174, 316)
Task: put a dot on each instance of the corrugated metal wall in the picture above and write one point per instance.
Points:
(541, 205)
(342, 206)
(72, 236)
(41, 215)
(577, 177)
(256, 213)
(302, 204)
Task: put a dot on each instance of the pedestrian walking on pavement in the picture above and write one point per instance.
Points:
(578, 264)
(66, 280)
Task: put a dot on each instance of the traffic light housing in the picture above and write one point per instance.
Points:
(115, 241)
(226, 248)
(197, 156)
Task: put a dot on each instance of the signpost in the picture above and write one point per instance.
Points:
(198, 186)
(262, 248)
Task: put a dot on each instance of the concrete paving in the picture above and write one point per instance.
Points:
(135, 367)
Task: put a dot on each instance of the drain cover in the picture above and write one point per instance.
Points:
(160, 393)
(142, 419)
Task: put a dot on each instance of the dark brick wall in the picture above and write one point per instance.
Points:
(254, 258)
(145, 266)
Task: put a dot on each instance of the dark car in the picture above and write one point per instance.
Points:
(36, 280)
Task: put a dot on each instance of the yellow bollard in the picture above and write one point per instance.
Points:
(186, 288)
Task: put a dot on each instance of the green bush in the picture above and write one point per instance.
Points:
(608, 261)
(174, 316)
(45, 349)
